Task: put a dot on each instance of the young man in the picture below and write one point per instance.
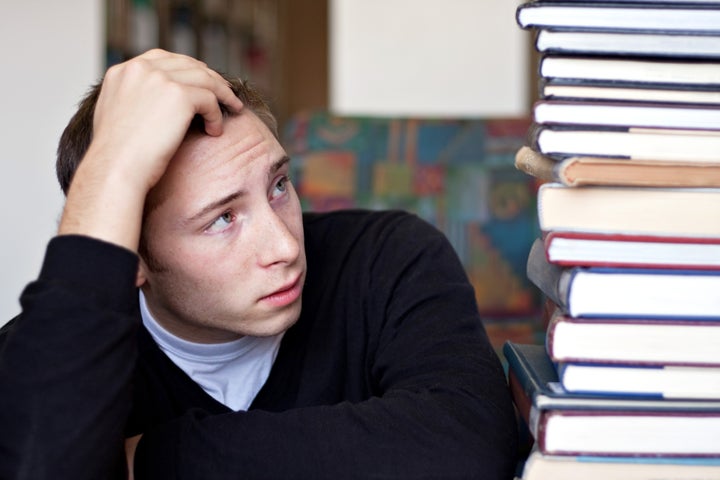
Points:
(176, 184)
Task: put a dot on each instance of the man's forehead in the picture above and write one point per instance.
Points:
(242, 134)
(204, 163)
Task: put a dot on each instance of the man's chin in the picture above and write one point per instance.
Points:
(277, 325)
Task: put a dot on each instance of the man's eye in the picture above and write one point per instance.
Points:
(280, 187)
(222, 223)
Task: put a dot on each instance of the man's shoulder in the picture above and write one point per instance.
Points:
(349, 215)
(334, 235)
(359, 220)
(5, 329)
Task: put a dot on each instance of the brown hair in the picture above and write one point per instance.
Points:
(78, 134)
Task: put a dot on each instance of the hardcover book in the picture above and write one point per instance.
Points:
(566, 467)
(666, 17)
(632, 72)
(624, 292)
(628, 44)
(707, 2)
(563, 423)
(627, 114)
(636, 341)
(677, 146)
(589, 90)
(583, 171)
(661, 381)
(632, 251)
(678, 212)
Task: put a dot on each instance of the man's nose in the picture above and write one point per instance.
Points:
(276, 243)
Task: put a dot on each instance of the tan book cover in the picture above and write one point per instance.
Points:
(630, 210)
(579, 171)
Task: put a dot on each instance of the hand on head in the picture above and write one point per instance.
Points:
(142, 115)
(147, 103)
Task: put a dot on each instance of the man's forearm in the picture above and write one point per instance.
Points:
(104, 205)
(66, 365)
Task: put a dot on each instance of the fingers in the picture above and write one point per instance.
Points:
(189, 72)
(208, 80)
(208, 108)
(146, 105)
(194, 71)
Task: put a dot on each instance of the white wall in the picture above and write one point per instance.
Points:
(50, 51)
(457, 58)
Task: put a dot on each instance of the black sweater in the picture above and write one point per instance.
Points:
(387, 373)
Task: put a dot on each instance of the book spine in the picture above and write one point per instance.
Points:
(535, 164)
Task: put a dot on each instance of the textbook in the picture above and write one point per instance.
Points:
(564, 423)
(567, 467)
(676, 212)
(627, 114)
(555, 90)
(581, 171)
(619, 17)
(597, 292)
(632, 251)
(636, 72)
(679, 146)
(662, 381)
(627, 44)
(635, 341)
(709, 2)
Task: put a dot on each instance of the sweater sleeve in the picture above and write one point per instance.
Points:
(440, 409)
(66, 364)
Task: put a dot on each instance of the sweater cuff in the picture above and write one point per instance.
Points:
(102, 269)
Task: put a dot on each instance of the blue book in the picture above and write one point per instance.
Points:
(566, 467)
(597, 292)
(660, 381)
(564, 423)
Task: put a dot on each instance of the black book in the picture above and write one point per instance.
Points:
(627, 142)
(628, 114)
(631, 72)
(620, 17)
(636, 44)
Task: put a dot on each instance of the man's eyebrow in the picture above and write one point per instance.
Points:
(235, 195)
(279, 164)
(215, 205)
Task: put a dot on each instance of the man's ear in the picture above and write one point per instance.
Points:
(141, 274)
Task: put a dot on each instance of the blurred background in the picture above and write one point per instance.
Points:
(414, 104)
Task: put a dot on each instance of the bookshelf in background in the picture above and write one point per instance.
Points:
(229, 35)
(278, 45)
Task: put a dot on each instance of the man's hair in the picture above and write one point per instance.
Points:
(78, 134)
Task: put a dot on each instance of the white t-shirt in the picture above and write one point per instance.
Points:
(232, 373)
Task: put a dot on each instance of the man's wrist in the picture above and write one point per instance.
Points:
(105, 206)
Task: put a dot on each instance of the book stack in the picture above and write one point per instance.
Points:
(626, 137)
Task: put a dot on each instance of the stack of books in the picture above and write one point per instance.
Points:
(626, 137)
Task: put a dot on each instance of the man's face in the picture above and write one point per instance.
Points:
(227, 237)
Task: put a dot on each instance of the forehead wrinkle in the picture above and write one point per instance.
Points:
(218, 204)
(212, 161)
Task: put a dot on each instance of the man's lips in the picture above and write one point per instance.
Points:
(286, 294)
